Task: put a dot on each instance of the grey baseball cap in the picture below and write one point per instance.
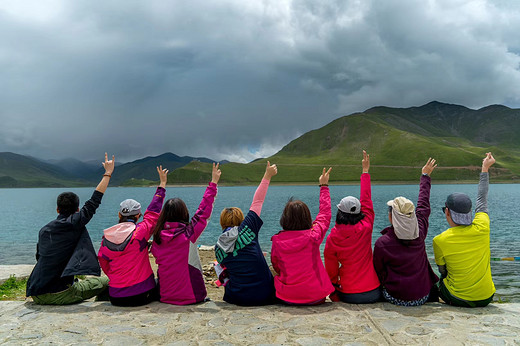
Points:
(130, 207)
(459, 205)
(350, 205)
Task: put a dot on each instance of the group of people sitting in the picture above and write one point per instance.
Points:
(397, 270)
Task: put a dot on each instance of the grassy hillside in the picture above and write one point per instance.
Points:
(140, 171)
(22, 171)
(399, 142)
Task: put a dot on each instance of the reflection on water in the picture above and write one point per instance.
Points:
(25, 211)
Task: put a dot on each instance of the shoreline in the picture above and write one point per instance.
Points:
(274, 183)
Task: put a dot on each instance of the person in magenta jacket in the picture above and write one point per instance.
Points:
(238, 251)
(174, 247)
(123, 254)
(400, 258)
(295, 253)
(348, 250)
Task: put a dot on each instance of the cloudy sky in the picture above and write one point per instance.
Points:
(235, 79)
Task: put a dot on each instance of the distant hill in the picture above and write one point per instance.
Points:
(146, 168)
(399, 141)
(23, 171)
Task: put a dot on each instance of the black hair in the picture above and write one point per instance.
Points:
(67, 203)
(343, 218)
(129, 218)
(174, 210)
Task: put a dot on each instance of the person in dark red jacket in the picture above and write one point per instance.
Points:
(348, 250)
(399, 254)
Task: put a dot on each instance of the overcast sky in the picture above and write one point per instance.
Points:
(236, 79)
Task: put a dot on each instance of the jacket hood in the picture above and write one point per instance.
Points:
(173, 229)
(292, 241)
(227, 239)
(341, 234)
(117, 234)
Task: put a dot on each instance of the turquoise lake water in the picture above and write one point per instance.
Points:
(25, 211)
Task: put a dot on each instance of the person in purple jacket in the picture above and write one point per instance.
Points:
(400, 257)
(174, 247)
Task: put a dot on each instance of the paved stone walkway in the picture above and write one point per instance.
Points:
(219, 323)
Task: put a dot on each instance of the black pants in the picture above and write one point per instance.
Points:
(137, 300)
(368, 297)
(452, 300)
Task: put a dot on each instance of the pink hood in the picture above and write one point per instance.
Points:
(117, 234)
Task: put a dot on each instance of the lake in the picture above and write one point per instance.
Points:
(25, 211)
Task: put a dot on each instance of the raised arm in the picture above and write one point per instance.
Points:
(483, 185)
(109, 169)
(365, 195)
(261, 191)
(151, 215)
(321, 224)
(89, 208)
(199, 221)
(423, 209)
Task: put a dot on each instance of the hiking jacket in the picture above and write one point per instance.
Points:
(250, 279)
(64, 249)
(123, 254)
(402, 265)
(179, 269)
(348, 250)
(295, 256)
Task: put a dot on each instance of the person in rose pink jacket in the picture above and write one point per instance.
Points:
(174, 247)
(295, 253)
(123, 254)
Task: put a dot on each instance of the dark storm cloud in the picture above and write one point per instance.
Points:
(234, 79)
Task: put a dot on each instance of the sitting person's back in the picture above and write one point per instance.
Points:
(462, 252)
(249, 279)
(65, 249)
(400, 256)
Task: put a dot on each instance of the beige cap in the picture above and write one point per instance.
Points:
(402, 205)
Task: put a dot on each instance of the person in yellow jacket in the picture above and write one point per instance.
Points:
(462, 251)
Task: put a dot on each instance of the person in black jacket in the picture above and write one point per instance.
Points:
(65, 249)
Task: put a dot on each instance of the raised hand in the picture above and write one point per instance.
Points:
(365, 163)
(324, 177)
(429, 166)
(215, 174)
(270, 171)
(487, 162)
(109, 165)
(163, 176)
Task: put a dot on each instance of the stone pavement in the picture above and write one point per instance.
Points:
(220, 323)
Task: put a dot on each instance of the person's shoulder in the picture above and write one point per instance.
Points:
(443, 235)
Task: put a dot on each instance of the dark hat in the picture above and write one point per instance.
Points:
(459, 205)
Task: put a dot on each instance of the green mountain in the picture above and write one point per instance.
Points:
(399, 141)
(144, 171)
(23, 171)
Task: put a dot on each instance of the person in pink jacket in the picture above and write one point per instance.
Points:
(174, 247)
(295, 253)
(123, 254)
(348, 250)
